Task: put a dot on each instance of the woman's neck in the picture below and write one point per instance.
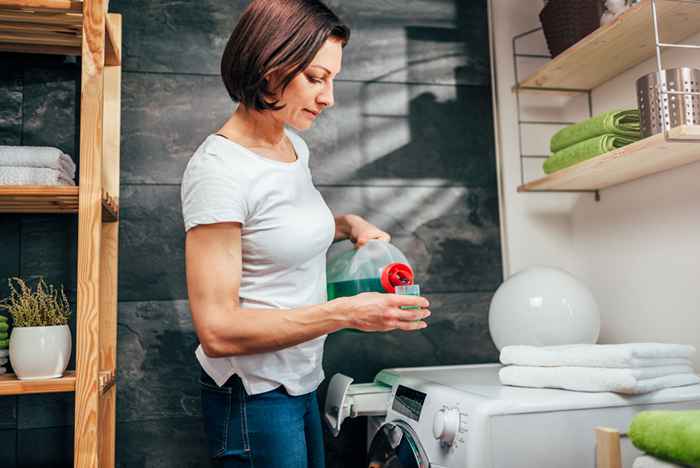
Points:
(254, 128)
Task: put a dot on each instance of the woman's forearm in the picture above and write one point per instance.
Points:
(241, 331)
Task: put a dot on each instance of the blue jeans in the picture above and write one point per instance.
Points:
(268, 430)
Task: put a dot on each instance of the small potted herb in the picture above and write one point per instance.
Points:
(40, 342)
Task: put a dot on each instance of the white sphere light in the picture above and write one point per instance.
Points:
(543, 306)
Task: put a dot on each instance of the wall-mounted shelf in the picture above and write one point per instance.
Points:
(50, 27)
(11, 385)
(616, 47)
(645, 157)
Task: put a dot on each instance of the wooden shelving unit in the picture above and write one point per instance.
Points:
(616, 47)
(82, 28)
(648, 156)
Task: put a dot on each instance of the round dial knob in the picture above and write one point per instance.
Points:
(446, 425)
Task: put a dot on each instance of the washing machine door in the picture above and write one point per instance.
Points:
(395, 445)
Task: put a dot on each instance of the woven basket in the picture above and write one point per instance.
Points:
(565, 22)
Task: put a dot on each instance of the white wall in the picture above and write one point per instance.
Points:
(639, 247)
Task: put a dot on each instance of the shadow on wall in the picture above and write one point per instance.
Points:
(455, 245)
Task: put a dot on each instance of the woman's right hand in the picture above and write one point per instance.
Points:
(382, 312)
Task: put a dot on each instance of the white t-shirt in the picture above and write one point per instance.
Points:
(286, 230)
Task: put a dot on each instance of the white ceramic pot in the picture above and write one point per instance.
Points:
(40, 352)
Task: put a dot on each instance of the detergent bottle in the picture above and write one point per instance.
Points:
(377, 266)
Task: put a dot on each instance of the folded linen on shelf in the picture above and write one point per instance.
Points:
(592, 379)
(670, 435)
(584, 150)
(2, 370)
(4, 326)
(4, 344)
(625, 355)
(3, 361)
(4, 353)
(624, 123)
(33, 176)
(647, 461)
(37, 156)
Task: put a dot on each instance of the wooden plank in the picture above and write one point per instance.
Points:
(38, 199)
(11, 385)
(39, 190)
(52, 5)
(113, 49)
(45, 38)
(33, 28)
(110, 246)
(87, 397)
(18, 16)
(642, 158)
(608, 453)
(107, 423)
(617, 46)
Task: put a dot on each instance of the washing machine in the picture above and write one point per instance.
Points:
(462, 417)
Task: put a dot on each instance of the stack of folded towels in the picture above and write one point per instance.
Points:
(592, 137)
(4, 344)
(630, 368)
(669, 438)
(35, 165)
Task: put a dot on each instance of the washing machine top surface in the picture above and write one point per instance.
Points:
(481, 382)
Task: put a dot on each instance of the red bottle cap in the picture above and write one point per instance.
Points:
(396, 274)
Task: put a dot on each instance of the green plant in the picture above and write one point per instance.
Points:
(44, 307)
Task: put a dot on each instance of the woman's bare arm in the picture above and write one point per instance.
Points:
(213, 258)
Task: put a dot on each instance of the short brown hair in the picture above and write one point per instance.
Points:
(275, 35)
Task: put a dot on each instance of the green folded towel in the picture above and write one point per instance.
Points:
(583, 150)
(4, 344)
(624, 123)
(3, 318)
(4, 326)
(671, 435)
(4, 335)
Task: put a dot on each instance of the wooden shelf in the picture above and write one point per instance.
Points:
(642, 158)
(38, 199)
(49, 27)
(11, 385)
(50, 199)
(617, 46)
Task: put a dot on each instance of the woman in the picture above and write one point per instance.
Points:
(257, 235)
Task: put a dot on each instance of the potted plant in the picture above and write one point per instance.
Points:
(40, 342)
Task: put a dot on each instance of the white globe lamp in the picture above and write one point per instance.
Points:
(543, 306)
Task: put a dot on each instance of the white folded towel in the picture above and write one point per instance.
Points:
(4, 353)
(647, 461)
(586, 355)
(33, 176)
(3, 361)
(37, 156)
(591, 379)
(2, 370)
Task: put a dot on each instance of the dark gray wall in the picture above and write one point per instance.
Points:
(409, 146)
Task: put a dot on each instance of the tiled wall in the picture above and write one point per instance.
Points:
(409, 145)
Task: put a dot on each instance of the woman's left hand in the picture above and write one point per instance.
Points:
(359, 230)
